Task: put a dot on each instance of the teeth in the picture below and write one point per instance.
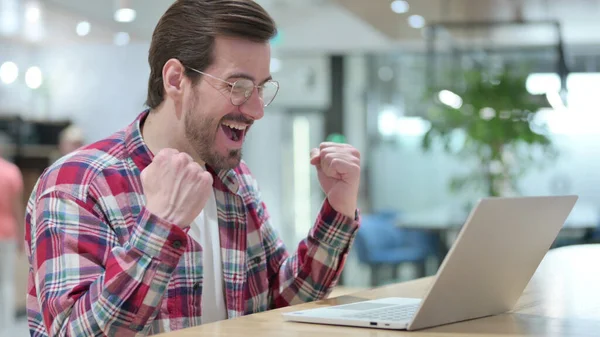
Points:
(235, 125)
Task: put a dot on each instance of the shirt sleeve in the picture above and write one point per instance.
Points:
(314, 269)
(87, 283)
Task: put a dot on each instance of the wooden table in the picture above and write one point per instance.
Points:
(562, 299)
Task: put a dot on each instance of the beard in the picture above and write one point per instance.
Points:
(201, 132)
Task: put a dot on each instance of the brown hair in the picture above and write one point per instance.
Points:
(187, 32)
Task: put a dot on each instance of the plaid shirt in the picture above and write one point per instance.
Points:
(102, 264)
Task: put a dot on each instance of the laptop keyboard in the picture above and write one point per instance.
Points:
(392, 313)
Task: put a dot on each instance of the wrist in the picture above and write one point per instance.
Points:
(166, 215)
(157, 238)
(350, 214)
(346, 210)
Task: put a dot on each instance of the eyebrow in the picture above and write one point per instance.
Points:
(247, 76)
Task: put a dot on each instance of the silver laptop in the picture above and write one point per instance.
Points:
(485, 272)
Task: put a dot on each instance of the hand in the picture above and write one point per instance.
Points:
(176, 187)
(338, 168)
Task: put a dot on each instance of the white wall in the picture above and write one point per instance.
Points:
(407, 179)
(578, 166)
(101, 87)
(403, 178)
(263, 154)
(355, 114)
(304, 81)
(104, 86)
(16, 98)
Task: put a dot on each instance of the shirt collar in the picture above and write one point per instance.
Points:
(135, 145)
(142, 156)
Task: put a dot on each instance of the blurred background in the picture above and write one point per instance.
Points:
(448, 101)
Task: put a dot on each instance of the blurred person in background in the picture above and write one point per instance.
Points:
(11, 236)
(70, 139)
(161, 226)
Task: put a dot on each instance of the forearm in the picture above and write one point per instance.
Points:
(312, 271)
(108, 307)
(118, 297)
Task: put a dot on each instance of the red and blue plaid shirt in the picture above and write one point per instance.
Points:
(102, 264)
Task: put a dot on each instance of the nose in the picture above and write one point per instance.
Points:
(254, 107)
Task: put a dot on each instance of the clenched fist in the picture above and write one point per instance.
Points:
(338, 168)
(176, 187)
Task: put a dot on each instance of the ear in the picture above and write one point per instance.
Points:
(173, 75)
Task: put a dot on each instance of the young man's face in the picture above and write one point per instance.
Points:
(215, 127)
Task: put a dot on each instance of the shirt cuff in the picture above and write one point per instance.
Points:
(335, 229)
(158, 238)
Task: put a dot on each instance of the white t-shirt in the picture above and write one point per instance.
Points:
(205, 230)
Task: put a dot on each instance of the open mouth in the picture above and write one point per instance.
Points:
(234, 131)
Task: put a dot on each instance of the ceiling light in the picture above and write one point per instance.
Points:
(33, 78)
(399, 6)
(83, 28)
(9, 17)
(124, 11)
(32, 27)
(121, 39)
(124, 15)
(32, 12)
(416, 21)
(9, 72)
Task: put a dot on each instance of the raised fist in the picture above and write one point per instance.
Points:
(176, 187)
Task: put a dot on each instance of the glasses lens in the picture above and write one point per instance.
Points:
(269, 91)
(241, 91)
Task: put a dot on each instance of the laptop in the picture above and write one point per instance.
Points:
(485, 272)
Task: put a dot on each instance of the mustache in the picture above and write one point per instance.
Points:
(237, 118)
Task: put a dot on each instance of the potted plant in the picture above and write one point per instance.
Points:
(490, 118)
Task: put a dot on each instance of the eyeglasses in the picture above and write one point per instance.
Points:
(242, 89)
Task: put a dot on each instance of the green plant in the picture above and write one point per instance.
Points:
(497, 124)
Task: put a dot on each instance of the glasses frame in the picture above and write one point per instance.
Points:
(232, 84)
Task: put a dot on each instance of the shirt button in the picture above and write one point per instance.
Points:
(176, 244)
(196, 286)
(257, 260)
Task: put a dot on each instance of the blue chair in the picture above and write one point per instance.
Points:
(416, 237)
(592, 236)
(380, 243)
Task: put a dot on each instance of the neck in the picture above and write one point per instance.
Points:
(163, 128)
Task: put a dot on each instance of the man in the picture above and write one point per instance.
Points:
(161, 226)
(11, 237)
(70, 139)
